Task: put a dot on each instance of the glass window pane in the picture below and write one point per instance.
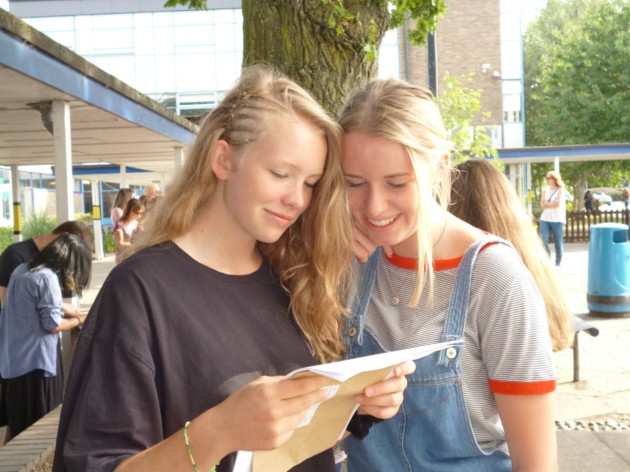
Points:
(112, 40)
(195, 72)
(143, 41)
(58, 23)
(145, 74)
(226, 16)
(230, 66)
(163, 19)
(83, 22)
(187, 35)
(512, 86)
(511, 59)
(163, 40)
(510, 26)
(193, 17)
(85, 43)
(141, 20)
(113, 21)
(119, 66)
(165, 73)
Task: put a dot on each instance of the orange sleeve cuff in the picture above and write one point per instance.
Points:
(522, 388)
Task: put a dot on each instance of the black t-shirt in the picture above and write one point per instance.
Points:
(13, 256)
(166, 339)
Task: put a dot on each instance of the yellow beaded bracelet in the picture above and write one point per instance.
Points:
(190, 456)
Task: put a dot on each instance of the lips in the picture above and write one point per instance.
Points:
(283, 220)
(381, 223)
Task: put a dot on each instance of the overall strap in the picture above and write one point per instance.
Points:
(460, 296)
(359, 309)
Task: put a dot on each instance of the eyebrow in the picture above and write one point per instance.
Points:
(389, 176)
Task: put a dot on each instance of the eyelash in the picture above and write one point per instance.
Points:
(284, 176)
(391, 184)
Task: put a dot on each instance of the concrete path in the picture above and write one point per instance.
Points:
(603, 392)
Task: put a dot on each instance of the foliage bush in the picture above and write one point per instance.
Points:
(42, 224)
(38, 224)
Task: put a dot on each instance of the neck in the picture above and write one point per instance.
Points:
(212, 243)
(43, 240)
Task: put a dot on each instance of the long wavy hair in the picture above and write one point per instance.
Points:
(312, 256)
(407, 114)
(70, 258)
(482, 196)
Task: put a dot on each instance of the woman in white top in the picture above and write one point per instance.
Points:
(554, 213)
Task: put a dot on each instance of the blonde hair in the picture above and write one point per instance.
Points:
(482, 196)
(312, 256)
(556, 177)
(407, 114)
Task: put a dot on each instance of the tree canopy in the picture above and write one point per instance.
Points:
(577, 84)
(577, 78)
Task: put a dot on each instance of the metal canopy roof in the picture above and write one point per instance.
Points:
(111, 123)
(573, 153)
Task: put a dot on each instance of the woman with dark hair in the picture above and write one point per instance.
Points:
(32, 317)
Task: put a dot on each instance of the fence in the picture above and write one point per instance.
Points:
(577, 229)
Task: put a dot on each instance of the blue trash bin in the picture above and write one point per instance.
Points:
(608, 288)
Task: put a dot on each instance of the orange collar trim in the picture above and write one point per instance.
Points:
(411, 263)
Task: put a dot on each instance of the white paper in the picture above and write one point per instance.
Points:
(343, 370)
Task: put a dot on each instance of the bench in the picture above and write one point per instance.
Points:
(32, 446)
(579, 325)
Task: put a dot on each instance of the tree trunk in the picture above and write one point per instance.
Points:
(297, 38)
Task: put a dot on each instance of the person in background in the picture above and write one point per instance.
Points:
(20, 252)
(554, 214)
(30, 356)
(124, 229)
(152, 190)
(588, 201)
(234, 284)
(625, 197)
(120, 202)
(482, 196)
(486, 405)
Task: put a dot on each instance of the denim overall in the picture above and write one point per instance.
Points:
(432, 430)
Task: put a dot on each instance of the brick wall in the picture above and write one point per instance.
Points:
(467, 37)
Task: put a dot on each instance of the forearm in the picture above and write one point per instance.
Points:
(67, 324)
(206, 448)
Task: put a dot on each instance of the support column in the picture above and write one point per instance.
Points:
(123, 176)
(63, 160)
(178, 157)
(17, 206)
(99, 251)
(530, 192)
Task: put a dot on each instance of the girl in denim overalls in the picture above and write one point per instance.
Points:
(484, 406)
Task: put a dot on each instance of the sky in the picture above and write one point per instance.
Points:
(530, 8)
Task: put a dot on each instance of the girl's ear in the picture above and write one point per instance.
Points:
(221, 160)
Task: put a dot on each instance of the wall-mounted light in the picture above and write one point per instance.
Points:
(496, 74)
(485, 68)
(45, 110)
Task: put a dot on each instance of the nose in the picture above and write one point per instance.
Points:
(298, 196)
(375, 202)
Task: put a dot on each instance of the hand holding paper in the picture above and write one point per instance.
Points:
(328, 419)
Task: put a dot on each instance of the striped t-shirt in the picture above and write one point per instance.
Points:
(506, 342)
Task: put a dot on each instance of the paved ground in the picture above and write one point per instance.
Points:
(603, 392)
